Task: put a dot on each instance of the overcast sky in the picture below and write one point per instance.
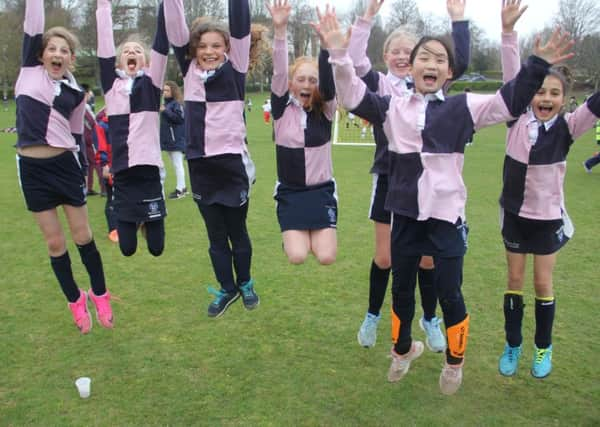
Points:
(486, 13)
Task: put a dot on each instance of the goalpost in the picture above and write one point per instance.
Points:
(351, 130)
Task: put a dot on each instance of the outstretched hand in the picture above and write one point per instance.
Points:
(456, 9)
(372, 9)
(280, 12)
(556, 49)
(328, 29)
(511, 12)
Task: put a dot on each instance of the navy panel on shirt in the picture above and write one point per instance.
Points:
(67, 101)
(381, 161)
(318, 130)
(31, 50)
(513, 190)
(195, 128)
(286, 172)
(279, 104)
(107, 72)
(403, 194)
(118, 128)
(441, 123)
(218, 87)
(32, 121)
(144, 95)
(552, 146)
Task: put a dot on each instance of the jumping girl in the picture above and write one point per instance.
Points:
(50, 109)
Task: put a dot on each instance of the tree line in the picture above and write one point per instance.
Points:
(580, 17)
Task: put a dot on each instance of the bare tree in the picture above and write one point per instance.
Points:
(579, 17)
(404, 13)
(588, 59)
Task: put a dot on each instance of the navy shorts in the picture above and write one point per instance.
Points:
(431, 237)
(309, 208)
(533, 236)
(138, 194)
(48, 183)
(377, 211)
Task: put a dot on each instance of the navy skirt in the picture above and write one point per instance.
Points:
(307, 208)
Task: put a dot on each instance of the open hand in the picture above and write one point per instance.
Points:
(328, 29)
(456, 9)
(511, 12)
(372, 9)
(280, 12)
(556, 49)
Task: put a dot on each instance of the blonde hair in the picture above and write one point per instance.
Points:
(134, 38)
(63, 33)
(400, 32)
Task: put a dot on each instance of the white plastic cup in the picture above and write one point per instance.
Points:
(84, 386)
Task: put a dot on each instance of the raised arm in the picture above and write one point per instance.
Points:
(351, 91)
(106, 44)
(513, 98)
(33, 27)
(511, 58)
(460, 35)
(160, 50)
(177, 32)
(239, 28)
(280, 12)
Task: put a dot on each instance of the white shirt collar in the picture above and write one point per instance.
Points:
(68, 80)
(130, 79)
(206, 74)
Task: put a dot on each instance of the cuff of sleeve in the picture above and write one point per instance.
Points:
(510, 38)
(337, 56)
(279, 43)
(363, 23)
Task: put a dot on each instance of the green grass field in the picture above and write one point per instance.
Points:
(295, 360)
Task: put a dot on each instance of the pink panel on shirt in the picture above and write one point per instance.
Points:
(157, 69)
(143, 142)
(35, 82)
(117, 98)
(543, 196)
(239, 53)
(59, 132)
(318, 164)
(487, 110)
(225, 126)
(288, 130)
(517, 141)
(194, 86)
(580, 121)
(402, 132)
(442, 192)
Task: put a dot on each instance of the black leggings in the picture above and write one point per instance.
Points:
(447, 281)
(230, 246)
(154, 232)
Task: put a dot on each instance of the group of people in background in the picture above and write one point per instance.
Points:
(418, 194)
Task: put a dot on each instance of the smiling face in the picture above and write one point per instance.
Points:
(304, 83)
(397, 56)
(132, 58)
(211, 49)
(431, 67)
(549, 99)
(57, 57)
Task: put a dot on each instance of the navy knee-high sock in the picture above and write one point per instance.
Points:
(378, 282)
(513, 318)
(61, 265)
(90, 257)
(544, 319)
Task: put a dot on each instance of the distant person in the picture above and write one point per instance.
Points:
(267, 111)
(249, 105)
(172, 134)
(572, 104)
(595, 159)
(104, 160)
(90, 139)
(5, 102)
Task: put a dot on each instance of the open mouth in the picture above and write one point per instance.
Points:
(546, 109)
(131, 64)
(56, 65)
(305, 96)
(429, 79)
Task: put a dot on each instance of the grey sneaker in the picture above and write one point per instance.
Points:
(401, 362)
(367, 334)
(451, 378)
